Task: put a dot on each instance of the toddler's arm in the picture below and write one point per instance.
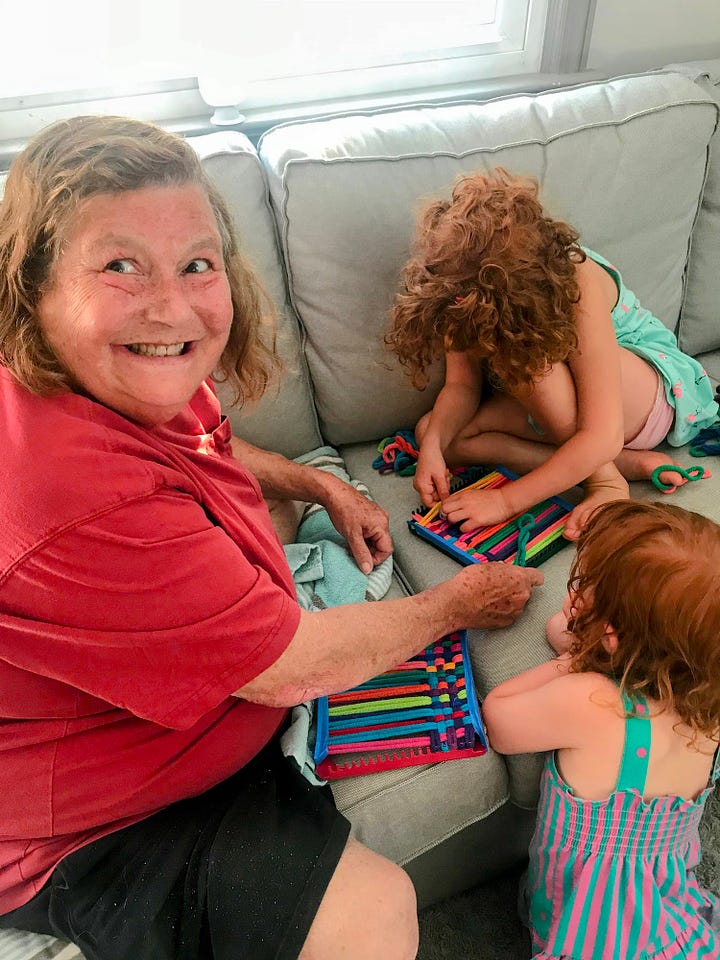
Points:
(544, 708)
(532, 711)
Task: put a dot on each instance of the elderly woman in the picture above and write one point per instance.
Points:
(150, 639)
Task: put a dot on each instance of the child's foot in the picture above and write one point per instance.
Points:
(598, 493)
(641, 465)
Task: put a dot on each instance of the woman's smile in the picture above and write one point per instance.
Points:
(159, 349)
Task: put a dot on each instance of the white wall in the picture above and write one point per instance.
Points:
(630, 35)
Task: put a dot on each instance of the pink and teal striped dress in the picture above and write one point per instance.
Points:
(614, 879)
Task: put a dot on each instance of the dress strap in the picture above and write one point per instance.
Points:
(636, 752)
(716, 767)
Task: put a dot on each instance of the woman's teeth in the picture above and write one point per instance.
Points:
(156, 349)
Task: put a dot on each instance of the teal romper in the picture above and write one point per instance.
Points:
(687, 386)
(614, 879)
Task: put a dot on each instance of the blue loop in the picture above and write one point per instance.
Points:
(707, 442)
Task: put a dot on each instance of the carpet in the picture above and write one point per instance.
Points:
(482, 924)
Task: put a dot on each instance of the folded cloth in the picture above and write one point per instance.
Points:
(325, 575)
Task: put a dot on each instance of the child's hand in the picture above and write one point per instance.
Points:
(556, 631)
(476, 508)
(431, 476)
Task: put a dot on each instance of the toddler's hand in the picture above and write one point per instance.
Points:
(556, 631)
(431, 476)
(476, 508)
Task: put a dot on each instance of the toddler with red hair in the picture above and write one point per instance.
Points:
(630, 712)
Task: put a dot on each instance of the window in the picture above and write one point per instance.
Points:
(325, 49)
(274, 58)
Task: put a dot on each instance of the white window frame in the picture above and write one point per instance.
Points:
(178, 106)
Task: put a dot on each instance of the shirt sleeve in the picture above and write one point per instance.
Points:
(150, 607)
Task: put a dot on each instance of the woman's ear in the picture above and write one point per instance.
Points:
(610, 640)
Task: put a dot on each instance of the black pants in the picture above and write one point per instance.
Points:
(236, 873)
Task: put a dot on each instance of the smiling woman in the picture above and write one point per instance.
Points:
(151, 642)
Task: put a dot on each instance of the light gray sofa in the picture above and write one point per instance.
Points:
(326, 211)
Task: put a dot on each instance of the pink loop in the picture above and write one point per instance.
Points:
(390, 452)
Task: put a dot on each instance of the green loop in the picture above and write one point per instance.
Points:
(693, 473)
(526, 524)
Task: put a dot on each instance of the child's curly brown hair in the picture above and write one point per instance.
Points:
(652, 572)
(492, 274)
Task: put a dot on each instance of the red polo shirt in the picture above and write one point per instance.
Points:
(141, 583)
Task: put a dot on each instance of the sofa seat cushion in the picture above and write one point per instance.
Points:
(406, 812)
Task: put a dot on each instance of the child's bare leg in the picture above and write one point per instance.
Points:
(421, 427)
(515, 453)
(499, 433)
(640, 383)
(553, 403)
(602, 486)
(641, 464)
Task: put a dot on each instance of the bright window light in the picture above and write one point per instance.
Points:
(322, 49)
(266, 52)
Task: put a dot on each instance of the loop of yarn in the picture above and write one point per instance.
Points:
(526, 524)
(707, 442)
(397, 454)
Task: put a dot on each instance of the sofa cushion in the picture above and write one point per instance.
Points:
(625, 161)
(285, 419)
(699, 327)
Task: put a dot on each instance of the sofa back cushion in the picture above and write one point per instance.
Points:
(699, 327)
(624, 161)
(284, 420)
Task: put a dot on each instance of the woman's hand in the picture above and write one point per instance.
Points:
(477, 508)
(361, 522)
(431, 475)
(493, 594)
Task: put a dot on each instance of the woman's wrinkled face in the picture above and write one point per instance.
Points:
(139, 309)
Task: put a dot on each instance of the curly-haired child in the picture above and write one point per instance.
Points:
(584, 381)
(631, 713)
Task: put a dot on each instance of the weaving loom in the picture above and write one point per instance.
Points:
(422, 711)
(537, 531)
